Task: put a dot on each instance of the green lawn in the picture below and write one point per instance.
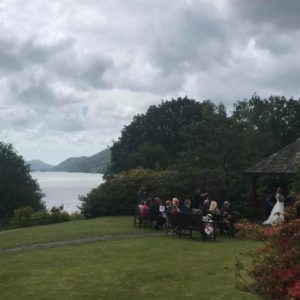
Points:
(66, 231)
(140, 268)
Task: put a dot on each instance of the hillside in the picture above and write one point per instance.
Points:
(38, 165)
(93, 164)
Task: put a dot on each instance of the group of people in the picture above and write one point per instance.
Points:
(157, 212)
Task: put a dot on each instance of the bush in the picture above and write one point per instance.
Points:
(41, 218)
(275, 270)
(22, 217)
(57, 214)
(25, 216)
(118, 195)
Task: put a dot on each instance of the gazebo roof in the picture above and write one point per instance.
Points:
(282, 162)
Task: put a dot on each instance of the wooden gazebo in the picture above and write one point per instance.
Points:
(281, 163)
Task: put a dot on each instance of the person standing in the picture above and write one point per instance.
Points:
(198, 199)
(142, 194)
(277, 213)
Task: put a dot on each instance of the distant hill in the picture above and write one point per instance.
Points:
(92, 164)
(38, 165)
(86, 164)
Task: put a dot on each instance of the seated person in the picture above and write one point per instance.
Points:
(205, 207)
(175, 206)
(168, 206)
(186, 209)
(227, 219)
(226, 208)
(156, 215)
(214, 210)
(140, 206)
(145, 214)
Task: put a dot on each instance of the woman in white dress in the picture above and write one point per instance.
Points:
(277, 213)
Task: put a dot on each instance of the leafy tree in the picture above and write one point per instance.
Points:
(214, 142)
(153, 139)
(269, 124)
(17, 188)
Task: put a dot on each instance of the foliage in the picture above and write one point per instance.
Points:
(153, 140)
(275, 271)
(25, 216)
(17, 189)
(187, 133)
(276, 119)
(118, 196)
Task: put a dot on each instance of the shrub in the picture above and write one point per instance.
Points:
(25, 216)
(41, 218)
(57, 214)
(22, 217)
(275, 270)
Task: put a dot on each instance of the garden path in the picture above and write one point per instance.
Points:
(89, 239)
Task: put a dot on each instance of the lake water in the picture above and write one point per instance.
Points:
(65, 187)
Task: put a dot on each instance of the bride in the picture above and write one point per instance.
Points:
(277, 213)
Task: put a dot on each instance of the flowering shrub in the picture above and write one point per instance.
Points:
(246, 230)
(275, 270)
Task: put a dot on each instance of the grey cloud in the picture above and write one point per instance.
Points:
(19, 117)
(40, 53)
(85, 68)
(16, 54)
(38, 94)
(9, 58)
(190, 37)
(282, 14)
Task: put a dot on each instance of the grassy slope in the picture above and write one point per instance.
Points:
(66, 231)
(152, 268)
(143, 268)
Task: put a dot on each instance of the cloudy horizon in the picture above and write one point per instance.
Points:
(73, 73)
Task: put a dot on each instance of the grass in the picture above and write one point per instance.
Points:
(66, 231)
(143, 268)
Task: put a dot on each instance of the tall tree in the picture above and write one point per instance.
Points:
(17, 188)
(153, 139)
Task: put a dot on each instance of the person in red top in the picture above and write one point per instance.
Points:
(146, 210)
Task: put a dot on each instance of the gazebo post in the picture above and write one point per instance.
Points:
(257, 204)
(254, 195)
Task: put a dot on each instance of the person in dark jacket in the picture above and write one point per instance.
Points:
(186, 209)
(198, 199)
(156, 216)
(142, 194)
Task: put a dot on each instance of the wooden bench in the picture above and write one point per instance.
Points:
(185, 225)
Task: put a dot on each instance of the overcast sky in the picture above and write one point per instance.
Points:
(74, 72)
